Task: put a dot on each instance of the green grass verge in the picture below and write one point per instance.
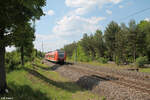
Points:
(146, 70)
(34, 83)
(113, 65)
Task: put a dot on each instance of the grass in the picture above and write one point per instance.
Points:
(34, 83)
(113, 65)
(146, 70)
(110, 65)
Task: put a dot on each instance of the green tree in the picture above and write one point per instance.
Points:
(79, 54)
(85, 43)
(14, 13)
(69, 49)
(91, 46)
(88, 44)
(110, 35)
(24, 37)
(99, 44)
(132, 37)
(121, 44)
(144, 39)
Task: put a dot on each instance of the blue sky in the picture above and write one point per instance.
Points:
(65, 21)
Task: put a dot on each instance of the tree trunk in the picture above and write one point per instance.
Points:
(134, 55)
(22, 55)
(135, 46)
(3, 84)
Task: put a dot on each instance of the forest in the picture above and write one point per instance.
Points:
(121, 43)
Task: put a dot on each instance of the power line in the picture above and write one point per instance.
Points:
(135, 13)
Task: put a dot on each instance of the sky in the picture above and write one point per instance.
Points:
(66, 21)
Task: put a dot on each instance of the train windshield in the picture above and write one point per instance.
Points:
(61, 55)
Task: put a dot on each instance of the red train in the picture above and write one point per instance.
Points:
(56, 56)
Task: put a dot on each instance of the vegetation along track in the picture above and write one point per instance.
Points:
(121, 80)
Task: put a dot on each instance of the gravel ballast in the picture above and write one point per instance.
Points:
(85, 76)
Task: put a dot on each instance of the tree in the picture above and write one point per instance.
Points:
(110, 38)
(144, 38)
(69, 49)
(132, 37)
(80, 54)
(121, 44)
(99, 44)
(85, 44)
(24, 37)
(91, 46)
(88, 44)
(14, 13)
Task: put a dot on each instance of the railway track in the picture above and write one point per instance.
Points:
(122, 72)
(113, 84)
(121, 80)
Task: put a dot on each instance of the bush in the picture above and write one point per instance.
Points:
(140, 61)
(12, 60)
(102, 60)
(103, 98)
(130, 59)
(117, 61)
(28, 65)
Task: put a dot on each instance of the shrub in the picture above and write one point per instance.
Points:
(140, 61)
(102, 60)
(117, 61)
(12, 60)
(130, 59)
(28, 65)
(103, 98)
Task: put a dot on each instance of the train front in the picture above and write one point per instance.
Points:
(61, 56)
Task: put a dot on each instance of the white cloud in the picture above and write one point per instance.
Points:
(50, 12)
(108, 12)
(76, 25)
(84, 6)
(81, 11)
(50, 42)
(147, 19)
(67, 30)
(84, 3)
(115, 1)
(120, 6)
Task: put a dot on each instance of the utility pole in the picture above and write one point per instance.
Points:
(42, 47)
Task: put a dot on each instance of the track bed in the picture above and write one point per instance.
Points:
(112, 83)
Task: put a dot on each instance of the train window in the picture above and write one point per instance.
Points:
(52, 56)
(61, 55)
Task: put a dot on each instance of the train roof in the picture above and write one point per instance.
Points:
(60, 51)
(49, 51)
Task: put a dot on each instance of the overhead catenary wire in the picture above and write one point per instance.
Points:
(138, 12)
